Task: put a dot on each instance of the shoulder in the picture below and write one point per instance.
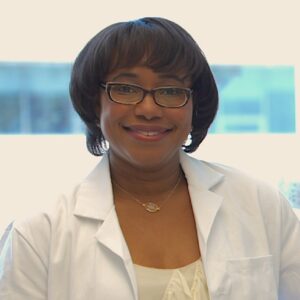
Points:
(245, 183)
(250, 190)
(219, 176)
(239, 190)
(233, 175)
(90, 199)
(244, 193)
(36, 229)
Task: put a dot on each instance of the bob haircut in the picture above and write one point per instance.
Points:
(157, 43)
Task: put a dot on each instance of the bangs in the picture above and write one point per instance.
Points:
(161, 48)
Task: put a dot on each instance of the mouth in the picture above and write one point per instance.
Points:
(151, 133)
(148, 133)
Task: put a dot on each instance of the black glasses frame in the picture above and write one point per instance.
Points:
(107, 86)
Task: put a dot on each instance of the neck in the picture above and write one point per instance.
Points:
(149, 181)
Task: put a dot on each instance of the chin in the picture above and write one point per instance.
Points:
(150, 160)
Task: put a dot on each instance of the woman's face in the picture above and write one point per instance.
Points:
(145, 135)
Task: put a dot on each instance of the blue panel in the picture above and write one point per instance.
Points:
(255, 99)
(34, 99)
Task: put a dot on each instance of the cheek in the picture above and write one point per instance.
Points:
(111, 114)
(104, 116)
(187, 115)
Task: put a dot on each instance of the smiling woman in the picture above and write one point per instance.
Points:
(151, 222)
(144, 131)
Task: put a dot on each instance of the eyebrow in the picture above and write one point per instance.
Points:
(175, 77)
(126, 75)
(163, 76)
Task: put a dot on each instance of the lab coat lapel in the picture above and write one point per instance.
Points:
(95, 201)
(111, 236)
(205, 202)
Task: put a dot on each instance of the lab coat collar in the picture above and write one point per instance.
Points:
(202, 181)
(95, 201)
(199, 173)
(95, 194)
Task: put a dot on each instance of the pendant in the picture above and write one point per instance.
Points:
(151, 207)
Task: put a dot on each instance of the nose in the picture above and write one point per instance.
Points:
(148, 109)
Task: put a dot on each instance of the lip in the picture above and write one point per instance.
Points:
(147, 133)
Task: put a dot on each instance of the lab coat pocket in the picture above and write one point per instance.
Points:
(252, 278)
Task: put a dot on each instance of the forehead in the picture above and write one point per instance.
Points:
(141, 72)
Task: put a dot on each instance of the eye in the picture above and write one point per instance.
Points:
(171, 91)
(124, 89)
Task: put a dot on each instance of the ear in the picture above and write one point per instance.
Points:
(191, 127)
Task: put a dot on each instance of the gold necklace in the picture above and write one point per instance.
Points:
(151, 206)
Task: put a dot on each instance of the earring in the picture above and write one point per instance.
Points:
(97, 123)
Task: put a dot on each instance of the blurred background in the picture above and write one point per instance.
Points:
(253, 48)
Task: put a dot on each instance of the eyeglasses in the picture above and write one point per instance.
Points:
(170, 97)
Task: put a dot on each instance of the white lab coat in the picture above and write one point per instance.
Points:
(249, 239)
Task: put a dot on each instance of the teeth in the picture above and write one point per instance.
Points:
(149, 133)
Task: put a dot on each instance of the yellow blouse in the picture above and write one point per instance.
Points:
(185, 283)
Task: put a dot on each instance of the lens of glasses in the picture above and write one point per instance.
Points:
(171, 97)
(126, 94)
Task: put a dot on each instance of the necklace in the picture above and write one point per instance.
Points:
(151, 206)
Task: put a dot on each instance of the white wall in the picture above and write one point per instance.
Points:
(33, 169)
(231, 31)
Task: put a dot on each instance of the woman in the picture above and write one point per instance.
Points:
(150, 222)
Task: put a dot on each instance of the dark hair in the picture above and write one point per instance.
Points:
(157, 43)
